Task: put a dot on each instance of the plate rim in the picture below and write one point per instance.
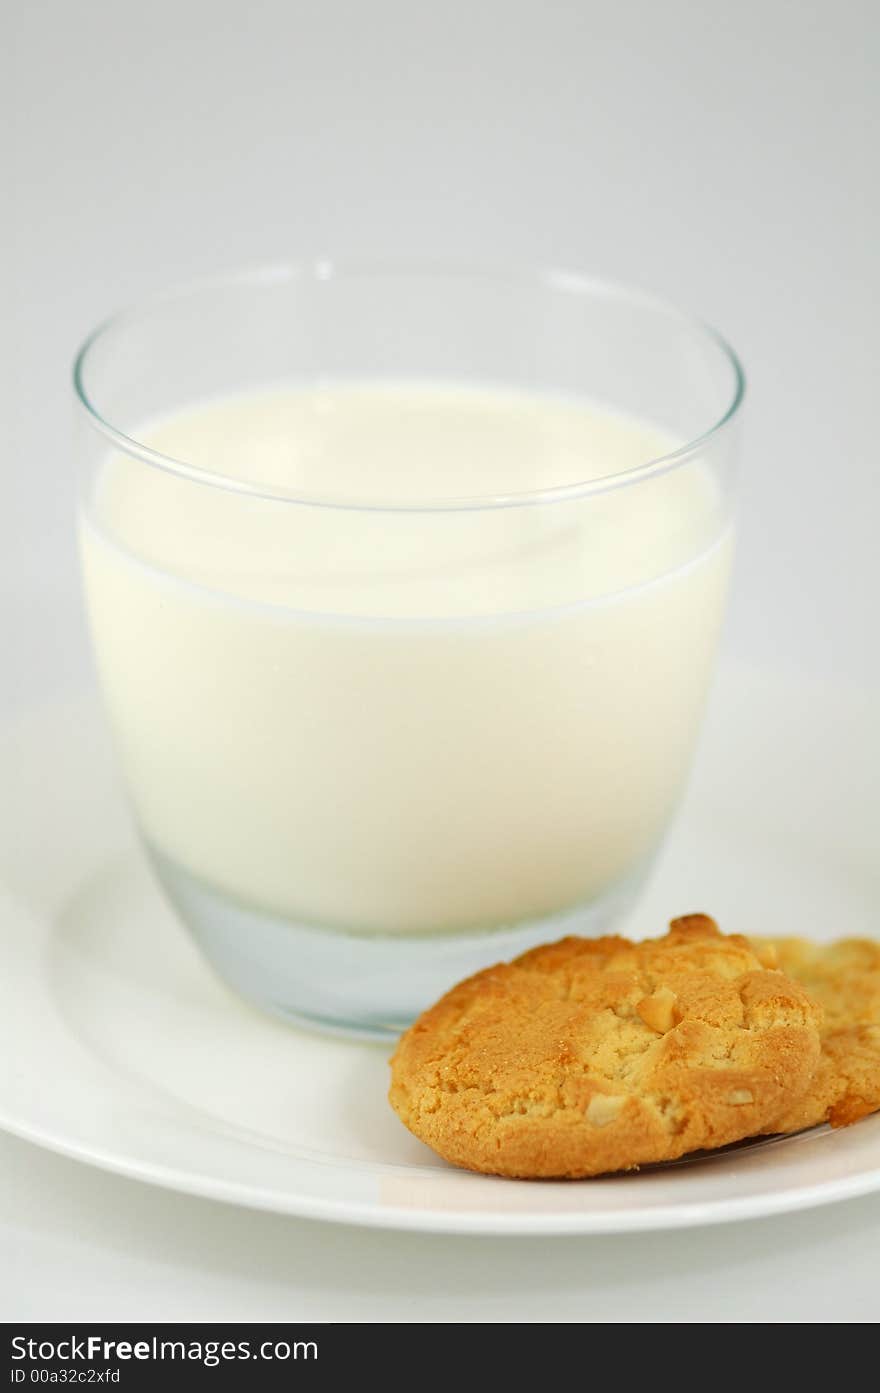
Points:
(694, 1214)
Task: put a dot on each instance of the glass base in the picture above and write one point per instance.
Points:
(369, 986)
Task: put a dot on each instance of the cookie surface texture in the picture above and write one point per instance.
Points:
(844, 978)
(595, 1055)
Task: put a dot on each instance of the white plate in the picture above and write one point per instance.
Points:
(118, 1047)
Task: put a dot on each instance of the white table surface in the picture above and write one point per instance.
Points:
(719, 154)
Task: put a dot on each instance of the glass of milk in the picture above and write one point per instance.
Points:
(404, 586)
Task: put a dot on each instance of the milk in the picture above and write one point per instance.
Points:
(415, 718)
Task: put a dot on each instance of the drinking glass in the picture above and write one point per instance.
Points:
(379, 735)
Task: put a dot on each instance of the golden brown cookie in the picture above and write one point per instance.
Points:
(844, 978)
(595, 1055)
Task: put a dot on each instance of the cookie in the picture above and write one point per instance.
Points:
(844, 978)
(595, 1055)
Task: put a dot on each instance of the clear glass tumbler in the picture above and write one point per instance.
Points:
(404, 587)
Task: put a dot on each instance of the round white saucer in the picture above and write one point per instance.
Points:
(118, 1046)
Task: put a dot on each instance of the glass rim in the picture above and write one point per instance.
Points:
(326, 269)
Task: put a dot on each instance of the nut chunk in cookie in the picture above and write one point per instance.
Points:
(595, 1055)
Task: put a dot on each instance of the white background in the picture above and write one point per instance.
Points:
(724, 155)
